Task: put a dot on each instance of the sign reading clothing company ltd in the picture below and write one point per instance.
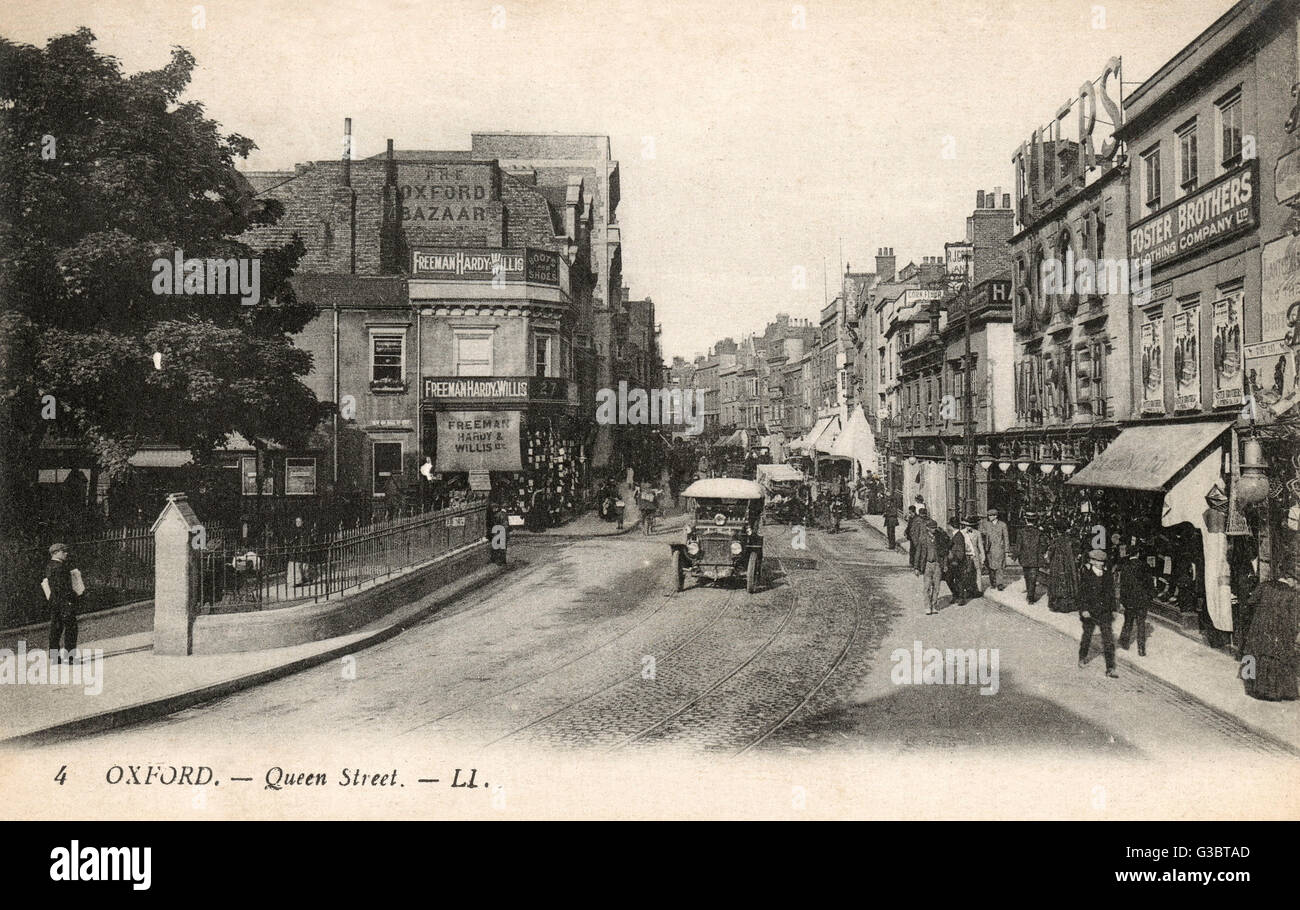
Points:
(477, 441)
(1223, 208)
(533, 266)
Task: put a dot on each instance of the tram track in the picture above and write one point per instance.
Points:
(701, 630)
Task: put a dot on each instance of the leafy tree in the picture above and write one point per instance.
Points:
(104, 175)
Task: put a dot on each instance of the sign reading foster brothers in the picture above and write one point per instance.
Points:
(449, 264)
(1221, 209)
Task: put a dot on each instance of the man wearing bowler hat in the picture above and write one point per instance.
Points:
(1096, 599)
(997, 542)
(1031, 553)
(63, 602)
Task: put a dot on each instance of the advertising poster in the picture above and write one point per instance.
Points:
(1187, 370)
(1273, 376)
(1153, 374)
(1229, 358)
(478, 441)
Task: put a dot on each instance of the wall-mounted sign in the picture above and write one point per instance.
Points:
(1187, 370)
(514, 265)
(477, 441)
(511, 389)
(1221, 209)
(445, 193)
(1280, 294)
(1153, 371)
(1228, 355)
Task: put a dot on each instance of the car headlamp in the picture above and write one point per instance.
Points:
(693, 547)
(736, 548)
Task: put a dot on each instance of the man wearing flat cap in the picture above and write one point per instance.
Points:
(1096, 600)
(63, 601)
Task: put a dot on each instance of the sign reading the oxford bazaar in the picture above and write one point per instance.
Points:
(445, 193)
(1223, 208)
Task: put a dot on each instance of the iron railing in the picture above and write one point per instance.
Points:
(234, 575)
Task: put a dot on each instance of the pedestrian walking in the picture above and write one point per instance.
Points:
(912, 532)
(63, 589)
(965, 557)
(1096, 600)
(1031, 553)
(649, 505)
(1136, 587)
(1062, 573)
(997, 542)
(891, 524)
(933, 550)
(1268, 654)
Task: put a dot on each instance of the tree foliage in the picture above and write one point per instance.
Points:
(101, 175)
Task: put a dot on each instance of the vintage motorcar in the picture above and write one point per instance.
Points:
(786, 490)
(722, 538)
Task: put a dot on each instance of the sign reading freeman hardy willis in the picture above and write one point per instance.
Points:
(533, 266)
(515, 390)
(478, 441)
(1224, 207)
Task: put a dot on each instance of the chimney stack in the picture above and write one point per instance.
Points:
(1006, 200)
(885, 264)
(979, 199)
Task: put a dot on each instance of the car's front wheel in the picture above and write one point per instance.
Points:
(751, 573)
(677, 580)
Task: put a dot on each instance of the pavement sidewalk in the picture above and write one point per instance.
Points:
(139, 685)
(1198, 671)
(590, 524)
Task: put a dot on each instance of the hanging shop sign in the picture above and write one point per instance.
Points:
(1229, 358)
(1153, 373)
(477, 441)
(1222, 209)
(497, 266)
(1186, 353)
(1286, 177)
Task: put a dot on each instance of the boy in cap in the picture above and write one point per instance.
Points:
(63, 602)
(1096, 599)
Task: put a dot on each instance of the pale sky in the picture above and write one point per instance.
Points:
(747, 146)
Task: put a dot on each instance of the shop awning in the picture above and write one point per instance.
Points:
(858, 442)
(809, 442)
(825, 440)
(1149, 457)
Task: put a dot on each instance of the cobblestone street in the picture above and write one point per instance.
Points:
(581, 646)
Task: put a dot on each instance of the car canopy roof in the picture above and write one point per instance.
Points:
(779, 473)
(723, 488)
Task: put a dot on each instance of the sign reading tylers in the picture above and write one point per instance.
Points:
(477, 441)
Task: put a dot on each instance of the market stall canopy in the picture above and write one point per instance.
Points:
(809, 441)
(1149, 457)
(858, 442)
(825, 440)
(723, 488)
(740, 439)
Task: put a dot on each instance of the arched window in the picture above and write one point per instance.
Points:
(1068, 261)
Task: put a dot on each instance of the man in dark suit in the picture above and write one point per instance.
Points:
(891, 524)
(1031, 553)
(63, 602)
(1136, 586)
(910, 532)
(1096, 599)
